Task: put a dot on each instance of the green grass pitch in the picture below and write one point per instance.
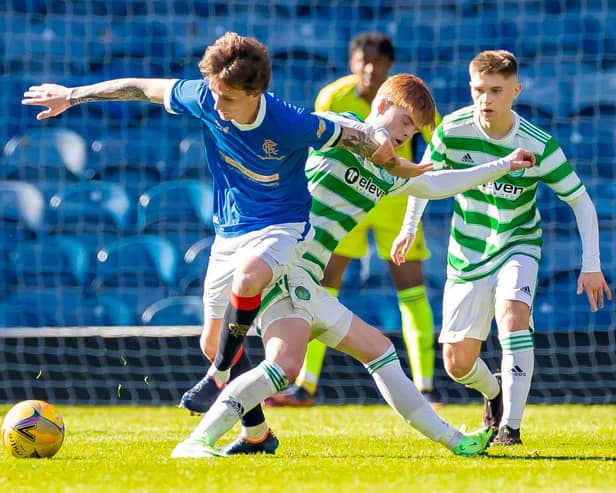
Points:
(323, 449)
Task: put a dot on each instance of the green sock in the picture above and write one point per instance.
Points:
(308, 377)
(418, 334)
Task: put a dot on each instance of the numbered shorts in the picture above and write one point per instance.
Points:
(277, 245)
(468, 307)
(303, 298)
(385, 220)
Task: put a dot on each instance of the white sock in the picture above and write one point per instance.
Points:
(255, 433)
(220, 376)
(404, 398)
(242, 394)
(480, 378)
(517, 368)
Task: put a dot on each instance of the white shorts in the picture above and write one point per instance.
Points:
(468, 307)
(303, 298)
(277, 245)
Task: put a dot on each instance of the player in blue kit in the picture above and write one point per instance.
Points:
(256, 146)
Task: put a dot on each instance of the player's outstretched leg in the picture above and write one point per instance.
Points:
(404, 398)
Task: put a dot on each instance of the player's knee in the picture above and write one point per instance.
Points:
(457, 365)
(251, 278)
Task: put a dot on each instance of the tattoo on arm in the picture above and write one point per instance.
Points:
(360, 142)
(112, 90)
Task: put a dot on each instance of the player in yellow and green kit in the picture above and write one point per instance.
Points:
(371, 56)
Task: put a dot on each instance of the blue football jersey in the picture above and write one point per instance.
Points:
(257, 169)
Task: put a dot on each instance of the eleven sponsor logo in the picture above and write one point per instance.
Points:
(353, 177)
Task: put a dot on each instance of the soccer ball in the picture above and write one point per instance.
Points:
(32, 429)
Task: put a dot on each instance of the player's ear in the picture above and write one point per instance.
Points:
(382, 106)
(517, 90)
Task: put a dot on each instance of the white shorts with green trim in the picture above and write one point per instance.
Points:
(468, 307)
(302, 297)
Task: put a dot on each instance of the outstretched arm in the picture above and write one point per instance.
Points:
(59, 98)
(445, 183)
(359, 138)
(591, 279)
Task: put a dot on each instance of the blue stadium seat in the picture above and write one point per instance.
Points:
(139, 37)
(534, 104)
(137, 161)
(307, 34)
(607, 238)
(561, 256)
(436, 229)
(373, 306)
(559, 308)
(138, 270)
(139, 261)
(45, 155)
(300, 63)
(191, 36)
(22, 212)
(175, 310)
(603, 194)
(98, 212)
(110, 9)
(192, 163)
(48, 262)
(33, 47)
(192, 272)
(573, 34)
(299, 72)
(61, 308)
(590, 144)
(31, 7)
(594, 93)
(180, 210)
(448, 84)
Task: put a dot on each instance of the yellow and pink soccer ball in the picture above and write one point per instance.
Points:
(32, 429)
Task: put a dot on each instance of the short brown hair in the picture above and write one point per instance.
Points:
(412, 94)
(500, 62)
(239, 62)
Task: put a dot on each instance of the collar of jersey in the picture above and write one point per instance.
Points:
(258, 121)
(507, 138)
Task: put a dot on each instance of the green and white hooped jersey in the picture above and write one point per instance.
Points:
(492, 222)
(344, 188)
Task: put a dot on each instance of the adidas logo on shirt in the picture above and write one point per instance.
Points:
(467, 158)
(526, 290)
(516, 371)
